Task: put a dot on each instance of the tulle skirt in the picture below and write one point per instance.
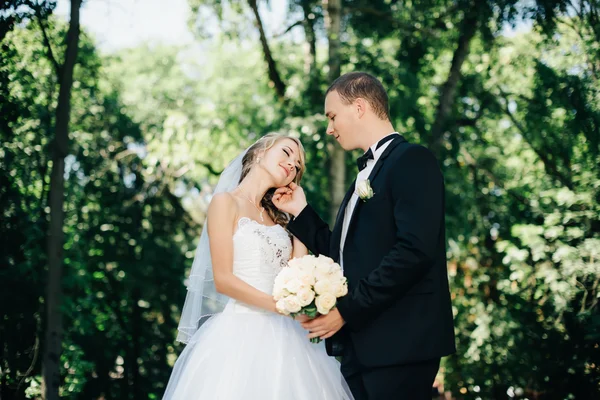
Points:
(248, 354)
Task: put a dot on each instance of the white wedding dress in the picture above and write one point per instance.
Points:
(245, 353)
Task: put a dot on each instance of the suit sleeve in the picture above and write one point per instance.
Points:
(417, 189)
(312, 231)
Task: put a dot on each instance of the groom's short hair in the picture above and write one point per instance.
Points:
(353, 85)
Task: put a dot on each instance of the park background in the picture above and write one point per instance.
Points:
(116, 118)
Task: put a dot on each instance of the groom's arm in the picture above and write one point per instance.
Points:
(312, 231)
(418, 212)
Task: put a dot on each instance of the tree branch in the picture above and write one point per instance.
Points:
(289, 28)
(578, 30)
(311, 37)
(472, 122)
(272, 66)
(470, 160)
(313, 90)
(63, 110)
(333, 26)
(448, 92)
(36, 353)
(50, 53)
(407, 28)
(549, 165)
(211, 169)
(466, 122)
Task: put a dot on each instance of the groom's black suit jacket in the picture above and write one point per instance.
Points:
(398, 307)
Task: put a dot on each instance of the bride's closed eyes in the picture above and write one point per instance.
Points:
(288, 154)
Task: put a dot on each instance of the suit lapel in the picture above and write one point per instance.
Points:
(384, 155)
(395, 142)
(339, 223)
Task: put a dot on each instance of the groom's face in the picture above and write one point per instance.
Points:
(343, 121)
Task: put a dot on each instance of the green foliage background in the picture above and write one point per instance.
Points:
(152, 126)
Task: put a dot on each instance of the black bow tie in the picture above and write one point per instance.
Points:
(361, 162)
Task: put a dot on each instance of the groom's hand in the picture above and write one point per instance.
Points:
(302, 318)
(290, 199)
(325, 326)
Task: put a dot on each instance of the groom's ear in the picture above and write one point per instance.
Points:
(361, 106)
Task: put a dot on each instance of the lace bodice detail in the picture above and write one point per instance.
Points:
(259, 253)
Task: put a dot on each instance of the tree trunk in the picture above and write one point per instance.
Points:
(53, 341)
(271, 65)
(310, 63)
(337, 172)
(448, 92)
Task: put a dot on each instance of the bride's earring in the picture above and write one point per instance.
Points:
(258, 160)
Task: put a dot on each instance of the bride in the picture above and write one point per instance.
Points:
(238, 346)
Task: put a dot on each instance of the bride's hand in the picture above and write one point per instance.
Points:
(290, 199)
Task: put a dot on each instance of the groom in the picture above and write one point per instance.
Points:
(396, 321)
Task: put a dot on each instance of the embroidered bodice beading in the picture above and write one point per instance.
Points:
(259, 253)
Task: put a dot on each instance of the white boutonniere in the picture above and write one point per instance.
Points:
(364, 190)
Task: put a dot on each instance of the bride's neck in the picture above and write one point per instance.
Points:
(254, 188)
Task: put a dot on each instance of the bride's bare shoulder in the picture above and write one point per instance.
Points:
(223, 198)
(223, 206)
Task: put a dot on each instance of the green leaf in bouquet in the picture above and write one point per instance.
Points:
(311, 312)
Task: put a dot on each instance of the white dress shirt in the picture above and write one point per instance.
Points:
(362, 175)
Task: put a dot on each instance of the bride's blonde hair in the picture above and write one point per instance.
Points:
(250, 159)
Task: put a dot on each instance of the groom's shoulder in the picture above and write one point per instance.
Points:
(410, 152)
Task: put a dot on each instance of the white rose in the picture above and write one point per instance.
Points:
(276, 286)
(325, 303)
(291, 304)
(280, 306)
(293, 285)
(305, 296)
(307, 279)
(280, 293)
(324, 259)
(296, 271)
(283, 277)
(341, 289)
(307, 264)
(364, 190)
(324, 268)
(322, 272)
(337, 274)
(323, 286)
(302, 260)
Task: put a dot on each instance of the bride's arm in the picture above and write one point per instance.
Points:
(299, 249)
(221, 221)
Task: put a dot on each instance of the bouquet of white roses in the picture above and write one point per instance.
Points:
(309, 285)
